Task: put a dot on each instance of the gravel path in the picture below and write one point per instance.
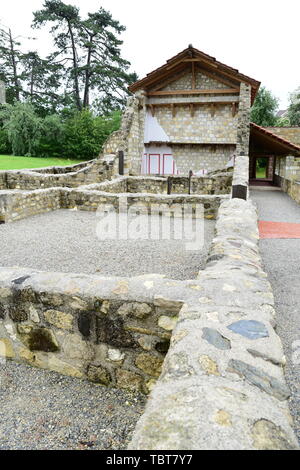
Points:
(66, 241)
(281, 259)
(44, 410)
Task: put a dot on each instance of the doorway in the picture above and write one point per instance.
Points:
(261, 168)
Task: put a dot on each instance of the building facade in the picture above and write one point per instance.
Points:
(193, 113)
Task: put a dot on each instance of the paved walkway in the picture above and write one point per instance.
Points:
(281, 257)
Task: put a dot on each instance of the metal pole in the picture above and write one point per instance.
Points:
(169, 185)
(190, 180)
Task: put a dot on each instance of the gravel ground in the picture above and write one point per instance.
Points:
(281, 258)
(44, 410)
(66, 241)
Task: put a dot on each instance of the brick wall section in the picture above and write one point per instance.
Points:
(201, 157)
(200, 128)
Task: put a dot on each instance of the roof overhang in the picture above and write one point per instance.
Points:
(179, 62)
(263, 141)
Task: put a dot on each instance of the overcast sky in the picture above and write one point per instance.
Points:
(258, 37)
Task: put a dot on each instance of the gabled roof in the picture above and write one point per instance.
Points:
(282, 145)
(177, 63)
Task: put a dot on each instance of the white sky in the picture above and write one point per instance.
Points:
(258, 37)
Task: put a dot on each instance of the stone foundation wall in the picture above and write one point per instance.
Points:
(111, 331)
(222, 384)
(96, 171)
(16, 205)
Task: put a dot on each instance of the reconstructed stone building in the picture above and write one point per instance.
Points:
(193, 113)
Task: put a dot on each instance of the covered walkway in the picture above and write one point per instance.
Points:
(279, 218)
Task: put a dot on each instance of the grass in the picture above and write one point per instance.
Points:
(10, 162)
(261, 172)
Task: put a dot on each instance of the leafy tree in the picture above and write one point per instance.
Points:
(23, 127)
(51, 137)
(9, 64)
(5, 147)
(89, 50)
(42, 82)
(263, 111)
(85, 134)
(65, 30)
(294, 108)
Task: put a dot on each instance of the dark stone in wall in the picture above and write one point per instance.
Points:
(18, 314)
(163, 346)
(112, 332)
(41, 339)
(84, 324)
(213, 337)
(260, 379)
(2, 312)
(20, 280)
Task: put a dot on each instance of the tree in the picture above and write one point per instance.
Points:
(9, 64)
(42, 83)
(85, 134)
(65, 29)
(23, 127)
(263, 111)
(89, 50)
(294, 108)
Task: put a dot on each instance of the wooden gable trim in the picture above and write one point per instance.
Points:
(218, 78)
(171, 80)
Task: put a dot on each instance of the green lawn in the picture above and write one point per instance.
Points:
(261, 172)
(9, 162)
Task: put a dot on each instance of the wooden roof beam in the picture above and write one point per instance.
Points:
(221, 91)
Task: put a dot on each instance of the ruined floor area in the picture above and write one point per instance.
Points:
(66, 241)
(40, 410)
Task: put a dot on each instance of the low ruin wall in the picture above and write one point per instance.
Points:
(112, 331)
(17, 204)
(291, 187)
(222, 384)
(73, 176)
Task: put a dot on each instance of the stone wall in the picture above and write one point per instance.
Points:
(222, 384)
(96, 171)
(19, 204)
(292, 134)
(112, 331)
(243, 121)
(202, 127)
(291, 187)
(16, 205)
(201, 157)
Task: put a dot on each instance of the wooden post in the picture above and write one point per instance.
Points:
(190, 180)
(121, 162)
(169, 181)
